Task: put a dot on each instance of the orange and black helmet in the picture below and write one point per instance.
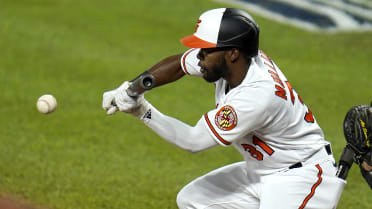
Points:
(225, 27)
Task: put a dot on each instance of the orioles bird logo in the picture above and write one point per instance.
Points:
(225, 123)
(226, 118)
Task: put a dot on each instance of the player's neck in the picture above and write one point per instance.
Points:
(238, 71)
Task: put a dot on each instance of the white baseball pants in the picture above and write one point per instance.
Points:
(312, 186)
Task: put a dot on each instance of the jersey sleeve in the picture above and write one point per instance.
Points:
(238, 117)
(189, 62)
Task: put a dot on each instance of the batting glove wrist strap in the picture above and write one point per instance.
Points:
(142, 111)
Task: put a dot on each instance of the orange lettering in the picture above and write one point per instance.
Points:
(281, 92)
(309, 116)
(291, 91)
(263, 145)
(276, 78)
(253, 151)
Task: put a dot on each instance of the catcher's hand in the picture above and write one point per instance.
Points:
(366, 166)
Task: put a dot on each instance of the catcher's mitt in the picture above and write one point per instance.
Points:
(358, 134)
(358, 130)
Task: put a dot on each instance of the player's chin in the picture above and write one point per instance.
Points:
(210, 77)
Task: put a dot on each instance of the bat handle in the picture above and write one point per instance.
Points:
(142, 83)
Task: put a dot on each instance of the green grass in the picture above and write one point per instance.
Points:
(79, 158)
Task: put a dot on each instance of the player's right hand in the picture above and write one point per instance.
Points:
(126, 103)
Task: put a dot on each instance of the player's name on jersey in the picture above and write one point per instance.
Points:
(314, 15)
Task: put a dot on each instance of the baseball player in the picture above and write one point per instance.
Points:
(287, 162)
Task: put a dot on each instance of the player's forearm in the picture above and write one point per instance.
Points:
(192, 139)
(167, 70)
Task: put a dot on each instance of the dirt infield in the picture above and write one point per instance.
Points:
(7, 202)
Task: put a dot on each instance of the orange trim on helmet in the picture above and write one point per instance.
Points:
(194, 42)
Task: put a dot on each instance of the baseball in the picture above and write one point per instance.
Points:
(46, 104)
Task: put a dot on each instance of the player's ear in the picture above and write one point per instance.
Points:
(233, 54)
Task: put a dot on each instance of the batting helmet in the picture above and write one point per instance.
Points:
(225, 27)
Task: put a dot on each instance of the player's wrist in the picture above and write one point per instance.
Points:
(142, 110)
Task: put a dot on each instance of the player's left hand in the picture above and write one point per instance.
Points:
(108, 102)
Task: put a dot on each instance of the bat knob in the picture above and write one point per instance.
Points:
(144, 82)
(147, 82)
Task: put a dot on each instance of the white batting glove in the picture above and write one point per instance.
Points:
(124, 102)
(137, 107)
(118, 99)
(108, 102)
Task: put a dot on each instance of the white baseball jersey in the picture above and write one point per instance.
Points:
(263, 117)
(286, 165)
